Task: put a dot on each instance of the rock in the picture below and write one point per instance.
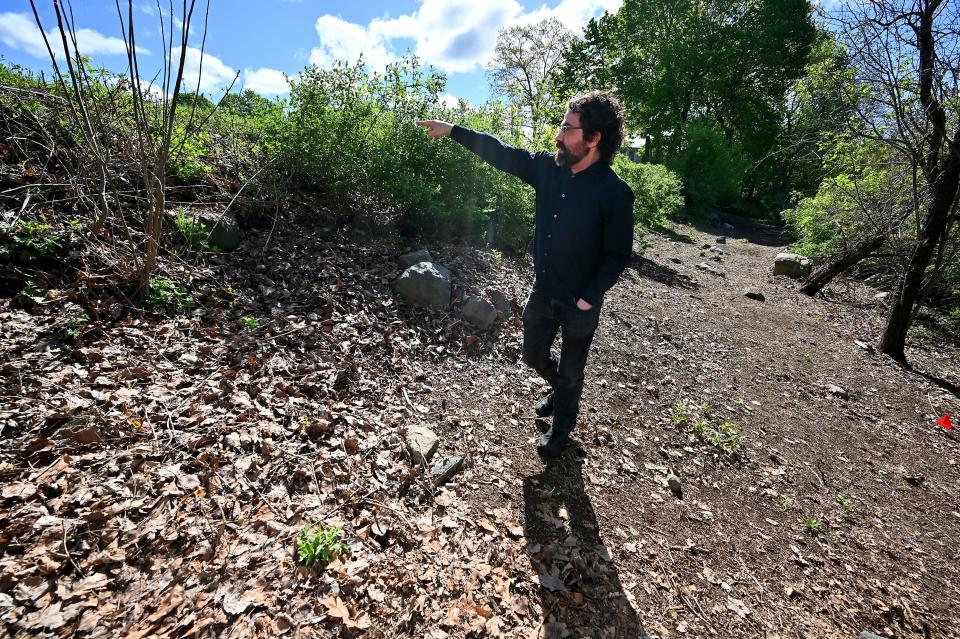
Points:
(422, 444)
(881, 297)
(224, 230)
(673, 483)
(721, 239)
(716, 258)
(866, 634)
(424, 284)
(478, 312)
(837, 391)
(414, 257)
(726, 226)
(713, 217)
(754, 294)
(792, 265)
(444, 470)
(717, 250)
(676, 260)
(500, 302)
(703, 266)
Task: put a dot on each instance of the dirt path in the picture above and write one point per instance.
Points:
(159, 469)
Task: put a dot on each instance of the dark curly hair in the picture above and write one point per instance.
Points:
(600, 112)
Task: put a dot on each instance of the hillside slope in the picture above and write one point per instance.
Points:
(157, 470)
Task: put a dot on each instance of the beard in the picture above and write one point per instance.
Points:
(567, 156)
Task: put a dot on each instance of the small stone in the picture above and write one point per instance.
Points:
(422, 444)
(882, 297)
(838, 391)
(703, 266)
(721, 239)
(444, 470)
(676, 260)
(754, 294)
(414, 257)
(866, 634)
(478, 312)
(425, 284)
(673, 482)
(500, 302)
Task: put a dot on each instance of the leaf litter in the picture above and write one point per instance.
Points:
(158, 471)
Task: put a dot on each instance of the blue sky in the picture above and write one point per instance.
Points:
(263, 39)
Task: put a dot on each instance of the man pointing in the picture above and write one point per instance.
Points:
(583, 240)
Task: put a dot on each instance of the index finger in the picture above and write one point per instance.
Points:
(423, 123)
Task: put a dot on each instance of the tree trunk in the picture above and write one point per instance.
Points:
(929, 235)
(822, 276)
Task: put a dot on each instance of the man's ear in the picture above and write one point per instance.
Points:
(593, 140)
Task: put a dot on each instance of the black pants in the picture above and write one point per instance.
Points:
(543, 318)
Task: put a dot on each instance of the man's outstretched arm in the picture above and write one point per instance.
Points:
(501, 156)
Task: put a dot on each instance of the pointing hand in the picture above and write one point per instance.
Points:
(436, 128)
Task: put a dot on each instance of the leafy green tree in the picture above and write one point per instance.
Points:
(675, 62)
(522, 70)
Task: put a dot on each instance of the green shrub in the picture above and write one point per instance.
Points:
(658, 190)
(712, 170)
(168, 294)
(32, 240)
(193, 231)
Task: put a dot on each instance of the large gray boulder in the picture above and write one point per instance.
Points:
(792, 265)
(478, 312)
(414, 257)
(424, 284)
(223, 230)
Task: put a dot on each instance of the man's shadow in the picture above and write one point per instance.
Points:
(580, 590)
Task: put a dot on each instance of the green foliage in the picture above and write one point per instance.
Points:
(349, 130)
(189, 164)
(168, 294)
(658, 190)
(250, 323)
(678, 413)
(30, 289)
(32, 240)
(863, 195)
(812, 526)
(321, 545)
(727, 437)
(844, 503)
(193, 231)
(75, 324)
(712, 169)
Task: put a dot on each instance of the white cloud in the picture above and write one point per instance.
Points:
(19, 31)
(342, 40)
(214, 77)
(266, 81)
(453, 35)
(453, 102)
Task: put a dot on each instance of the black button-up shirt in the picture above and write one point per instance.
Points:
(583, 235)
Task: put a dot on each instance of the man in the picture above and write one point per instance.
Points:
(583, 240)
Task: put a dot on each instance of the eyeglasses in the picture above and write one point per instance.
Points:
(567, 127)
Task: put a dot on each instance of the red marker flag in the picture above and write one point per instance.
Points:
(945, 422)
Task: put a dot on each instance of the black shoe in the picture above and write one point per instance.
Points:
(552, 443)
(545, 407)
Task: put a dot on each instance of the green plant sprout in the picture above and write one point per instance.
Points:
(812, 526)
(250, 323)
(678, 414)
(844, 503)
(727, 437)
(322, 545)
(75, 324)
(165, 292)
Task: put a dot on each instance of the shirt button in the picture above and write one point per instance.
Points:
(549, 236)
(563, 195)
(554, 217)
